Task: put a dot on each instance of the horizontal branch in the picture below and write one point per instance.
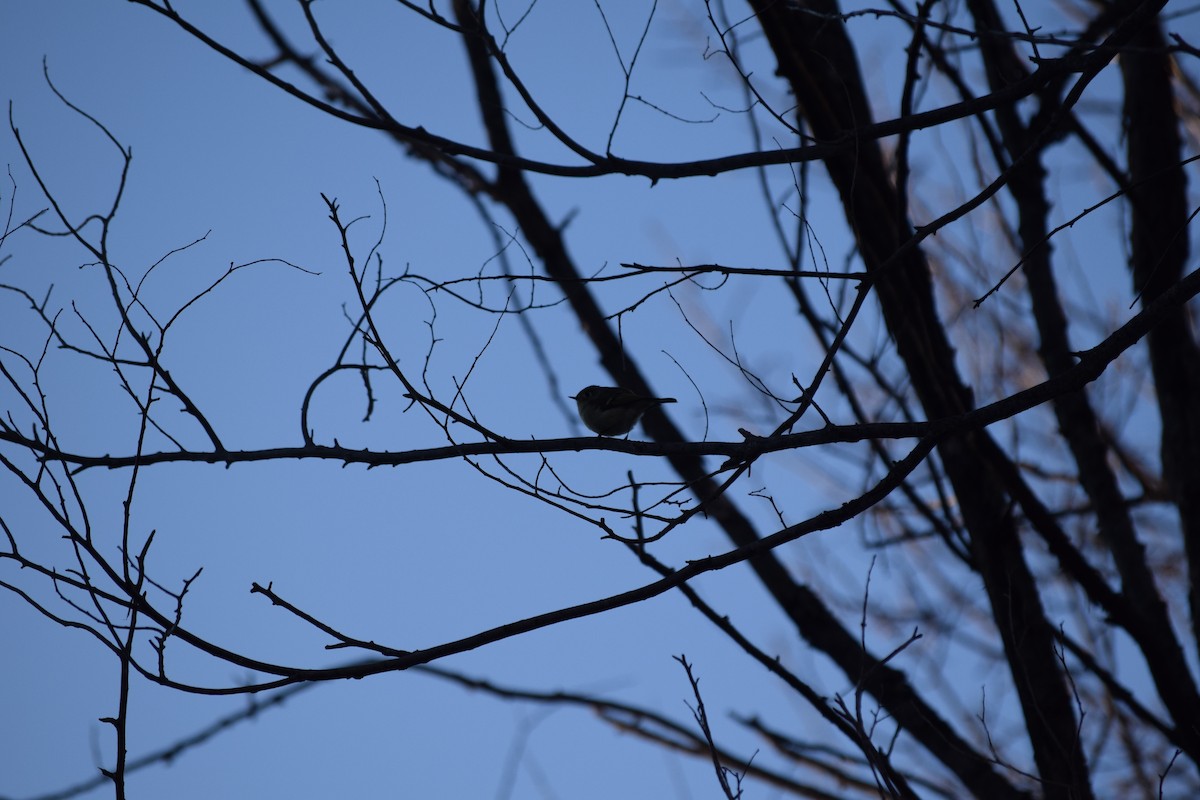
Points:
(1091, 364)
(380, 119)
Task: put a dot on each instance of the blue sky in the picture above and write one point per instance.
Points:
(410, 556)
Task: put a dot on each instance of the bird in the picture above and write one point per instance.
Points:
(613, 411)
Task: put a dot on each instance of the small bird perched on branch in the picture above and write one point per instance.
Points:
(611, 411)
